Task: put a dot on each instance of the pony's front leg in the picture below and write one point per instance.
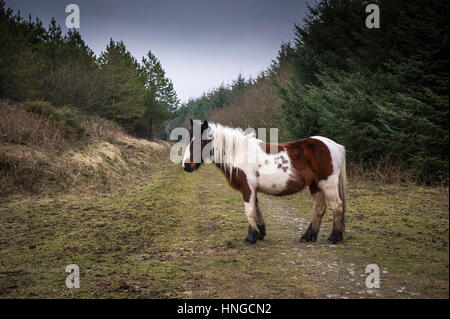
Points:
(251, 213)
(260, 222)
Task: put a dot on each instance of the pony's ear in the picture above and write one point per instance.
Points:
(191, 122)
(204, 125)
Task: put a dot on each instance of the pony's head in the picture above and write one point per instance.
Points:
(193, 158)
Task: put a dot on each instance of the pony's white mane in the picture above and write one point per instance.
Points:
(230, 145)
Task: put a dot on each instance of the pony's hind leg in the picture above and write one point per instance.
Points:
(319, 210)
(331, 190)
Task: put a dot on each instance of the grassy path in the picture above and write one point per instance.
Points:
(180, 236)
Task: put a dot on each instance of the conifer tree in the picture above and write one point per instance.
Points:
(124, 89)
(380, 92)
(160, 100)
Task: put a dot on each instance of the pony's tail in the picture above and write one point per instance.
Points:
(343, 186)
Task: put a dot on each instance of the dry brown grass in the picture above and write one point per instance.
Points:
(39, 154)
(387, 171)
(99, 129)
(25, 128)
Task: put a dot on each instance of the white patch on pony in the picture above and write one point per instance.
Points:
(274, 172)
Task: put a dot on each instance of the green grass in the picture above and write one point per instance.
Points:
(180, 235)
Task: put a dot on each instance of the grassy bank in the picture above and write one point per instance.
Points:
(46, 150)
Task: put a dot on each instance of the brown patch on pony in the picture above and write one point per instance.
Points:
(237, 180)
(311, 162)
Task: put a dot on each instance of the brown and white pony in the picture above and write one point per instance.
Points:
(250, 166)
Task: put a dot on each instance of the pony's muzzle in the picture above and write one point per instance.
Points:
(190, 167)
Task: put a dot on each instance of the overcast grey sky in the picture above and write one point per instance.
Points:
(200, 43)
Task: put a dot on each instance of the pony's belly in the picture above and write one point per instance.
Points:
(273, 184)
(273, 173)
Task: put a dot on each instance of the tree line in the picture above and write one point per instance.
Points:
(43, 64)
(383, 93)
(216, 98)
(380, 92)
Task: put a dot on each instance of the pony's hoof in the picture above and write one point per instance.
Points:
(252, 236)
(248, 241)
(309, 235)
(335, 237)
(262, 232)
(307, 240)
